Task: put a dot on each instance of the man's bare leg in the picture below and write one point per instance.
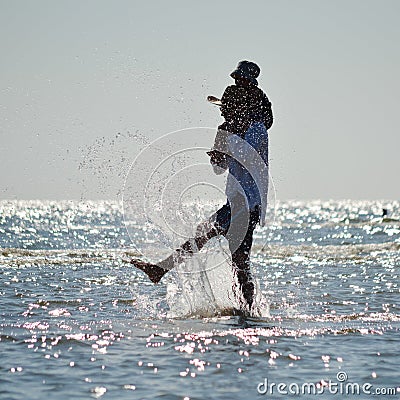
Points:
(204, 232)
(241, 265)
(241, 253)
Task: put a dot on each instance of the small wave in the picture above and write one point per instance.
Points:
(196, 341)
(326, 252)
(363, 317)
(18, 257)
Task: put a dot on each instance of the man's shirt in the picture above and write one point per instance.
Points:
(243, 105)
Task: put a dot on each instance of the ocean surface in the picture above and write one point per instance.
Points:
(77, 321)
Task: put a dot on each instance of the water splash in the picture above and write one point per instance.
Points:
(205, 286)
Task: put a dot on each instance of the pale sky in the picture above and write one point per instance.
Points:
(74, 74)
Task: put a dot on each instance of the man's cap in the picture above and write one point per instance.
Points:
(247, 70)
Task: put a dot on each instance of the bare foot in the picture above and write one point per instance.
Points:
(153, 271)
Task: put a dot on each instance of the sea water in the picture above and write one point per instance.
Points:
(78, 321)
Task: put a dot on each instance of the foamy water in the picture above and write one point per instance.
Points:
(77, 321)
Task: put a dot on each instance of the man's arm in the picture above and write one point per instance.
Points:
(268, 117)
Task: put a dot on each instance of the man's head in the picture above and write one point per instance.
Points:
(246, 73)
